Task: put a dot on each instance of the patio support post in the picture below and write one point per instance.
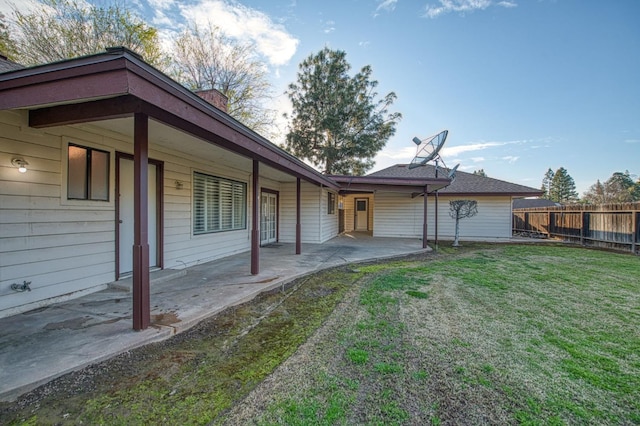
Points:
(141, 302)
(298, 226)
(424, 222)
(255, 215)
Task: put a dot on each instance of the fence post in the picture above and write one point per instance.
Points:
(582, 223)
(634, 229)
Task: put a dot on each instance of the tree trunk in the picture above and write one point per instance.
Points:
(457, 234)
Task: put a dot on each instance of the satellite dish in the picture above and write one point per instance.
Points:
(452, 172)
(428, 149)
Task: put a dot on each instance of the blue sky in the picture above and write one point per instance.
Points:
(521, 85)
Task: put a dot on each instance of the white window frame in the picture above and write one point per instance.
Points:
(215, 209)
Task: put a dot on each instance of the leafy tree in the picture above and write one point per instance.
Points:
(480, 173)
(596, 194)
(563, 188)
(337, 123)
(622, 188)
(7, 45)
(204, 58)
(546, 184)
(619, 188)
(64, 29)
(460, 209)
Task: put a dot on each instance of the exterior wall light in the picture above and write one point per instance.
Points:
(20, 163)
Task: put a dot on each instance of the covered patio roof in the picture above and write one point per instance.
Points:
(356, 184)
(119, 84)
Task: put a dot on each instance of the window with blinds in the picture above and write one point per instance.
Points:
(218, 204)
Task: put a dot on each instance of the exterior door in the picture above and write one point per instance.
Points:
(268, 218)
(125, 216)
(362, 214)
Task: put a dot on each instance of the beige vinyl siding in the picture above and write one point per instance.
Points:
(329, 222)
(398, 215)
(309, 212)
(67, 248)
(493, 221)
(349, 211)
(61, 248)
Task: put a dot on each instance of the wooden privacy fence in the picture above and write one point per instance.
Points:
(603, 225)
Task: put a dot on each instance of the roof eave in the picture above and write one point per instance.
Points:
(121, 73)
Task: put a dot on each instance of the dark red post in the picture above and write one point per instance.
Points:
(424, 223)
(141, 302)
(255, 231)
(298, 226)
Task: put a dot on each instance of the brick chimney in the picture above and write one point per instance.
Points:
(215, 98)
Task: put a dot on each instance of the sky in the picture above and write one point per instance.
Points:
(521, 85)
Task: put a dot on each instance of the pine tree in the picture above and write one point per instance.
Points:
(563, 188)
(338, 124)
(546, 184)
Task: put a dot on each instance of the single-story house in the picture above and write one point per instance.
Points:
(397, 212)
(110, 169)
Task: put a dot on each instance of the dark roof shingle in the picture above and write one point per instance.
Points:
(464, 183)
(527, 203)
(7, 65)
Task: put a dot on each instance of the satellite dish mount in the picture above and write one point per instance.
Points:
(427, 149)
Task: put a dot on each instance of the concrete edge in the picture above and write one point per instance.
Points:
(167, 331)
(10, 395)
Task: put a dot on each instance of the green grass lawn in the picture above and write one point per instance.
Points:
(484, 334)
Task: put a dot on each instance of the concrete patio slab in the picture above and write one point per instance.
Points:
(40, 345)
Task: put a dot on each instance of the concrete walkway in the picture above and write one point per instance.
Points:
(40, 345)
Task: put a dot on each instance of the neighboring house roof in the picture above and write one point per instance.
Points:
(6, 65)
(464, 183)
(527, 203)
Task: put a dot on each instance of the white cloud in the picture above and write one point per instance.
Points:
(246, 24)
(390, 157)
(405, 154)
(8, 6)
(477, 159)
(510, 159)
(457, 150)
(161, 4)
(463, 6)
(364, 44)
(388, 5)
(329, 27)
(632, 141)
